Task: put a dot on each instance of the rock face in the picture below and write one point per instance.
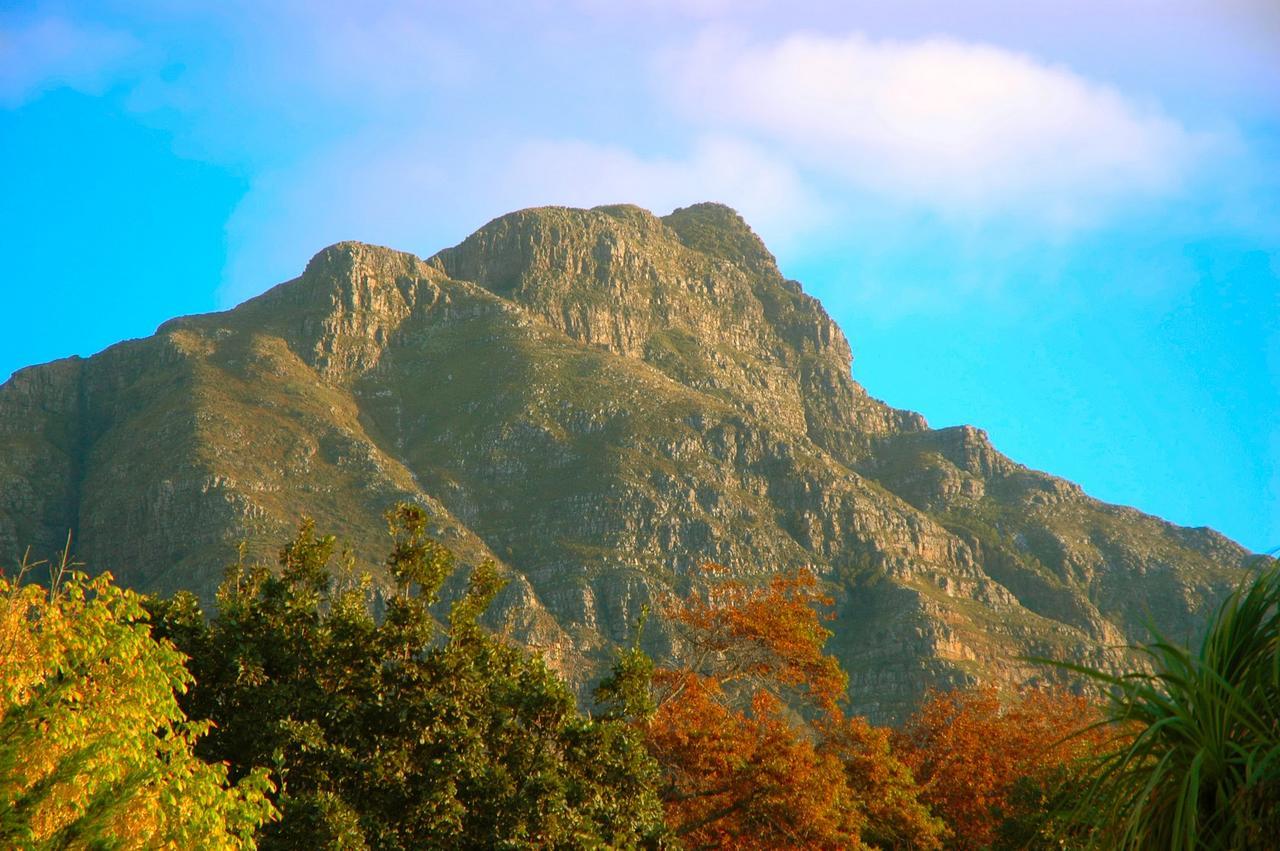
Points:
(598, 400)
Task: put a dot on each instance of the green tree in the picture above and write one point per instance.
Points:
(94, 749)
(402, 733)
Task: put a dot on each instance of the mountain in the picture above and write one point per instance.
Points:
(599, 400)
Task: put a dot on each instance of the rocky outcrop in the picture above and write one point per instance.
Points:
(597, 400)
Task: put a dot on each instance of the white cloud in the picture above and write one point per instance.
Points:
(52, 51)
(962, 128)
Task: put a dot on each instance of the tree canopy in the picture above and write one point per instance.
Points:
(1001, 769)
(402, 732)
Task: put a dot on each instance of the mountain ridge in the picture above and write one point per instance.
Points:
(597, 400)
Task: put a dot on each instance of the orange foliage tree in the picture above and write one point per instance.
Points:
(995, 769)
(754, 749)
(894, 815)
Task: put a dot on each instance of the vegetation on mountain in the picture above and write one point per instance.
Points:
(95, 751)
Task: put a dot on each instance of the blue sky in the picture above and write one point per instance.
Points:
(1057, 221)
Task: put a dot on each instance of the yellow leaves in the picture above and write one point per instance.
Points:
(93, 744)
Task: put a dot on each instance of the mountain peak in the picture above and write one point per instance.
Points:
(511, 252)
(696, 292)
(589, 243)
(719, 231)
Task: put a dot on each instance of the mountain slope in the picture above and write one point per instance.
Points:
(599, 400)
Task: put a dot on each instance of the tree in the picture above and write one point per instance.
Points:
(753, 748)
(401, 733)
(894, 814)
(1202, 767)
(94, 749)
(995, 768)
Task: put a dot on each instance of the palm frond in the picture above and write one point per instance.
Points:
(1201, 768)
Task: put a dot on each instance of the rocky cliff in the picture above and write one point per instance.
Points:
(598, 400)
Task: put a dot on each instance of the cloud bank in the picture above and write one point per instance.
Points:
(796, 133)
(962, 128)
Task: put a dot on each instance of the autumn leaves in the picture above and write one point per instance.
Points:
(755, 751)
